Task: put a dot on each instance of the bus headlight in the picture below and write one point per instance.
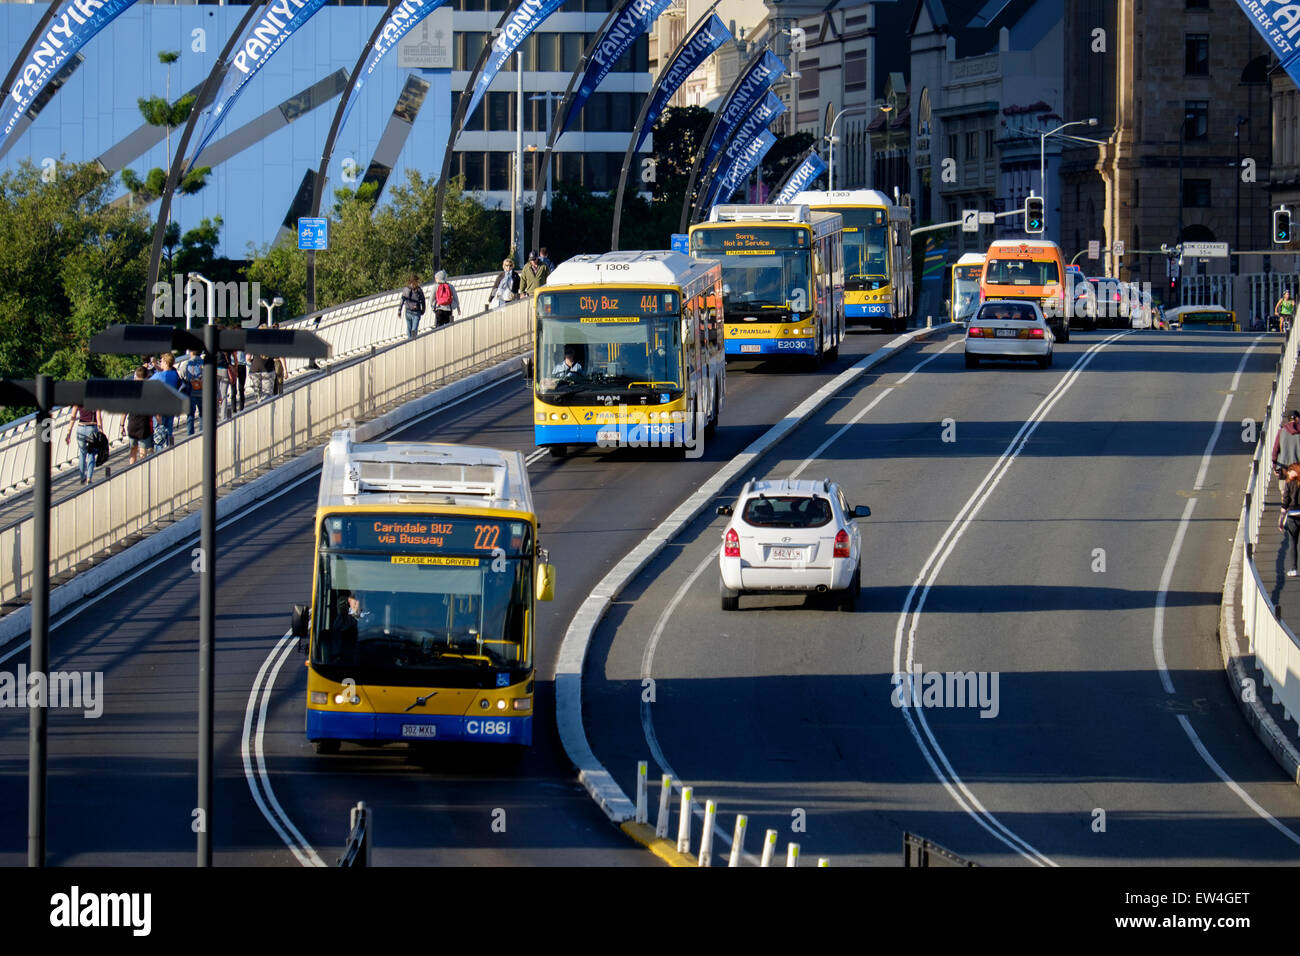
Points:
(501, 704)
(555, 417)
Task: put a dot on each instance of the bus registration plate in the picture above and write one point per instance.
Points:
(419, 730)
(749, 347)
(607, 436)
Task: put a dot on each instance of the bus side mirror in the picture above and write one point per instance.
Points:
(298, 626)
(528, 369)
(546, 582)
(862, 511)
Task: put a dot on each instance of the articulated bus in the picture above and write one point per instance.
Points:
(877, 255)
(964, 286)
(783, 278)
(629, 352)
(421, 623)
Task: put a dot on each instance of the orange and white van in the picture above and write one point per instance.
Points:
(1032, 269)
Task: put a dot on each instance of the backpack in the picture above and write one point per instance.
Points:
(442, 294)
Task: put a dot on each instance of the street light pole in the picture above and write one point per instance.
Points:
(1042, 156)
(40, 650)
(517, 199)
(830, 166)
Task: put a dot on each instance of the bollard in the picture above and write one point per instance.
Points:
(823, 861)
(706, 840)
(665, 789)
(929, 321)
(684, 822)
(769, 848)
(641, 784)
(738, 840)
(792, 854)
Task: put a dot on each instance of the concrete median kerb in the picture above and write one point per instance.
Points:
(573, 649)
(103, 574)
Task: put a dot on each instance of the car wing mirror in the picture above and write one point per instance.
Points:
(861, 511)
(725, 509)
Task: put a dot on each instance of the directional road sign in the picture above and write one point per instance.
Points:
(988, 218)
(1206, 250)
(970, 220)
(1094, 248)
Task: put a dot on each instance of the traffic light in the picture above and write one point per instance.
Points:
(1282, 226)
(1034, 214)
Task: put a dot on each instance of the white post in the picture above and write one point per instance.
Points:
(641, 785)
(684, 822)
(792, 854)
(706, 840)
(517, 200)
(738, 840)
(769, 848)
(823, 861)
(665, 790)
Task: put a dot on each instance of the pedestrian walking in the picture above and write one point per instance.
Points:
(1289, 519)
(506, 286)
(445, 300)
(1286, 448)
(139, 428)
(163, 424)
(533, 275)
(87, 423)
(546, 260)
(223, 384)
(191, 373)
(262, 369)
(241, 378)
(411, 305)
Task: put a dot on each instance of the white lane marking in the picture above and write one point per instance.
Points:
(952, 782)
(1232, 784)
(250, 745)
(648, 656)
(535, 456)
(1158, 624)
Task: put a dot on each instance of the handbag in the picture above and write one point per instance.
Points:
(100, 446)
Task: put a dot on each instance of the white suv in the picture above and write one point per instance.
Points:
(791, 535)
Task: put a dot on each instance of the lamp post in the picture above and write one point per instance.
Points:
(210, 298)
(548, 96)
(889, 145)
(830, 137)
(1042, 156)
(110, 395)
(517, 197)
(270, 308)
(274, 343)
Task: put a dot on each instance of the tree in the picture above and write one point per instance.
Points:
(71, 264)
(785, 152)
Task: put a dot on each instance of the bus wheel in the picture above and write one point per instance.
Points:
(326, 747)
(559, 451)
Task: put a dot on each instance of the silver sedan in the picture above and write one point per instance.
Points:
(1009, 329)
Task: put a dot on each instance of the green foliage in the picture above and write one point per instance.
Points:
(70, 265)
(151, 187)
(168, 57)
(785, 152)
(372, 250)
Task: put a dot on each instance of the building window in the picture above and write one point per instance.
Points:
(1197, 57)
(855, 70)
(952, 146)
(1198, 4)
(466, 49)
(1196, 193)
(1197, 124)
(972, 145)
(548, 52)
(474, 170)
(499, 171)
(809, 82)
(988, 144)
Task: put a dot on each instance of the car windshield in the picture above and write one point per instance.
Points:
(787, 511)
(1007, 312)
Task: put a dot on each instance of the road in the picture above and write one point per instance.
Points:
(121, 787)
(1065, 531)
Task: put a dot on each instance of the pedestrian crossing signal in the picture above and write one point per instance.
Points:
(1034, 214)
(1281, 226)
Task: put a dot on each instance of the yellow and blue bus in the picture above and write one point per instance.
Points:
(629, 352)
(877, 255)
(783, 279)
(421, 626)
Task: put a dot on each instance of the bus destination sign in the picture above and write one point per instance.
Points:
(417, 533)
(626, 305)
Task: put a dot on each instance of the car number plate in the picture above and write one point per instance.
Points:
(419, 730)
(606, 436)
(1007, 333)
(749, 348)
(786, 554)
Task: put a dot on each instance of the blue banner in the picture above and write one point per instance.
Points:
(400, 22)
(759, 118)
(801, 179)
(527, 18)
(1278, 22)
(265, 35)
(632, 21)
(67, 32)
(694, 50)
(756, 80)
(730, 178)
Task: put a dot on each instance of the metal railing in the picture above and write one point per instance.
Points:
(1270, 640)
(351, 329)
(101, 515)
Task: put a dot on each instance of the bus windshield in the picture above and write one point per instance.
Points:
(965, 291)
(762, 267)
(1034, 272)
(580, 353)
(866, 244)
(433, 607)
